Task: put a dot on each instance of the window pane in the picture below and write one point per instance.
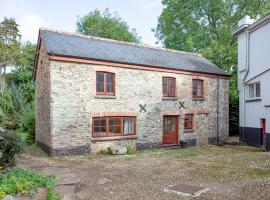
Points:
(199, 89)
(164, 86)
(194, 87)
(188, 121)
(128, 125)
(251, 91)
(109, 78)
(117, 129)
(99, 126)
(172, 87)
(114, 125)
(258, 89)
(109, 88)
(100, 87)
(169, 124)
(100, 77)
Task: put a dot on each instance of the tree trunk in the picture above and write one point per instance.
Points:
(2, 79)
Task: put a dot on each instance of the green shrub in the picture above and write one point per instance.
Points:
(7, 110)
(28, 124)
(6, 102)
(130, 149)
(26, 182)
(107, 151)
(9, 145)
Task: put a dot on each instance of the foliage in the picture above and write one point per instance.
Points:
(108, 151)
(130, 149)
(106, 25)
(206, 27)
(9, 145)
(26, 182)
(17, 88)
(9, 47)
(28, 120)
(6, 103)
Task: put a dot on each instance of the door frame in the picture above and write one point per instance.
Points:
(176, 117)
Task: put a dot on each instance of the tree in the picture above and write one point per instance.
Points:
(206, 27)
(9, 47)
(106, 25)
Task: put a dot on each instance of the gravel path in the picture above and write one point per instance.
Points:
(230, 172)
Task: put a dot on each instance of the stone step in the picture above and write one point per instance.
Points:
(170, 146)
(67, 179)
(65, 192)
(54, 171)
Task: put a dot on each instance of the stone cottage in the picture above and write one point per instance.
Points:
(94, 93)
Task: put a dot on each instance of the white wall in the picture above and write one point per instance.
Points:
(259, 51)
(255, 111)
(259, 62)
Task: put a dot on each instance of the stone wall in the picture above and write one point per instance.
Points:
(74, 102)
(42, 100)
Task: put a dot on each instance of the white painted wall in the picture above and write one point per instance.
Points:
(259, 63)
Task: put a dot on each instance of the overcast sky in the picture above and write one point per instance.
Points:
(62, 14)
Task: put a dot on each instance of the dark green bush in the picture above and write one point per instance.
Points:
(10, 144)
(28, 125)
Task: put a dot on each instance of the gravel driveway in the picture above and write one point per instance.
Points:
(230, 172)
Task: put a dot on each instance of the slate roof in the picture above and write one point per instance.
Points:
(75, 45)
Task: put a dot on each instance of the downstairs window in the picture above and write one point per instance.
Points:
(114, 126)
(188, 121)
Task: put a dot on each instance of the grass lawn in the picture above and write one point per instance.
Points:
(230, 172)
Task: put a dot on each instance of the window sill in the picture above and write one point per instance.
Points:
(169, 98)
(96, 139)
(189, 130)
(104, 97)
(254, 100)
(198, 98)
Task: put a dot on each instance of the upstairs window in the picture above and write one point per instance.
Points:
(197, 88)
(105, 83)
(254, 90)
(113, 126)
(188, 121)
(168, 86)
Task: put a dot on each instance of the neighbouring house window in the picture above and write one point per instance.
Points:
(188, 121)
(105, 83)
(254, 90)
(197, 88)
(168, 86)
(113, 126)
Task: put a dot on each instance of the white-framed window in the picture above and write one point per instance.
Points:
(254, 90)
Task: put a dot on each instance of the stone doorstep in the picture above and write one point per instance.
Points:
(67, 179)
(54, 171)
(65, 192)
(186, 190)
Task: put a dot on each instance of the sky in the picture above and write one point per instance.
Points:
(62, 15)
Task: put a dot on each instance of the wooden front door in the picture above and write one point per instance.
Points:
(170, 130)
(263, 129)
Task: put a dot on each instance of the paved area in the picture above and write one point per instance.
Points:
(186, 190)
(66, 181)
(230, 172)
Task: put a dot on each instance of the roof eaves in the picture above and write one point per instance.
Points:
(223, 73)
